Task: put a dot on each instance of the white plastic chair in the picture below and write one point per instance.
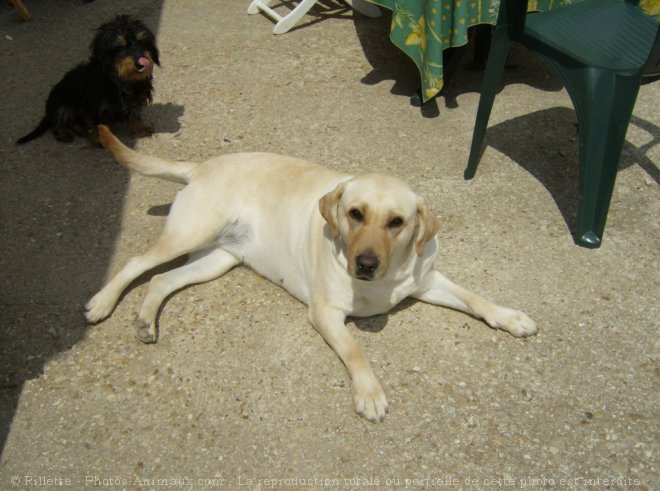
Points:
(286, 22)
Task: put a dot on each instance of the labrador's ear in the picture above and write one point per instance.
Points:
(427, 226)
(328, 206)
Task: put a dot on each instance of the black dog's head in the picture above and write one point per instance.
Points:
(127, 47)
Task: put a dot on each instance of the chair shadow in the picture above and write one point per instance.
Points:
(545, 143)
(639, 153)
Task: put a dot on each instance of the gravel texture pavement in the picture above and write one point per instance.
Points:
(241, 392)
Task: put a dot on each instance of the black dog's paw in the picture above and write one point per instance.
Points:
(139, 129)
(64, 135)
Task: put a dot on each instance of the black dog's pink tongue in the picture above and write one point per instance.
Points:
(143, 63)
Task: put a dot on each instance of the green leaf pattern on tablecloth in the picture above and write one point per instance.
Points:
(423, 29)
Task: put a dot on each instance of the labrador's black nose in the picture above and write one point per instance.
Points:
(366, 266)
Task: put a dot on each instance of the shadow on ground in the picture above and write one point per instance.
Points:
(390, 63)
(545, 144)
(61, 203)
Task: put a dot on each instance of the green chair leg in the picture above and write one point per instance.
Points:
(599, 49)
(499, 51)
(603, 103)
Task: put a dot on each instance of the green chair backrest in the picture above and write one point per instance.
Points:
(513, 14)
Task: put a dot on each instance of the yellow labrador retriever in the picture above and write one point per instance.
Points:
(344, 245)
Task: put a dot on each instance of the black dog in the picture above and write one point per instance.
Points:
(113, 86)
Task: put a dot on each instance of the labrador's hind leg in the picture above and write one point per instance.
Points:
(187, 230)
(201, 267)
(103, 303)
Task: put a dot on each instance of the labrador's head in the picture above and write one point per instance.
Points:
(381, 222)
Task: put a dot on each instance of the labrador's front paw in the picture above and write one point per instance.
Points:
(369, 399)
(514, 322)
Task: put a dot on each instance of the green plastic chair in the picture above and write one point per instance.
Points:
(600, 50)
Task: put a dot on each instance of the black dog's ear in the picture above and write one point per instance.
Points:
(100, 44)
(155, 55)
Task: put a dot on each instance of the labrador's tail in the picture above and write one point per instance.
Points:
(147, 165)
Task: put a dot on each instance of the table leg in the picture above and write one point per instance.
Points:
(482, 35)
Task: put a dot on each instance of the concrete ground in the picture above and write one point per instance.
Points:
(241, 391)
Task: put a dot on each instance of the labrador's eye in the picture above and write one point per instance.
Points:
(355, 214)
(395, 222)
